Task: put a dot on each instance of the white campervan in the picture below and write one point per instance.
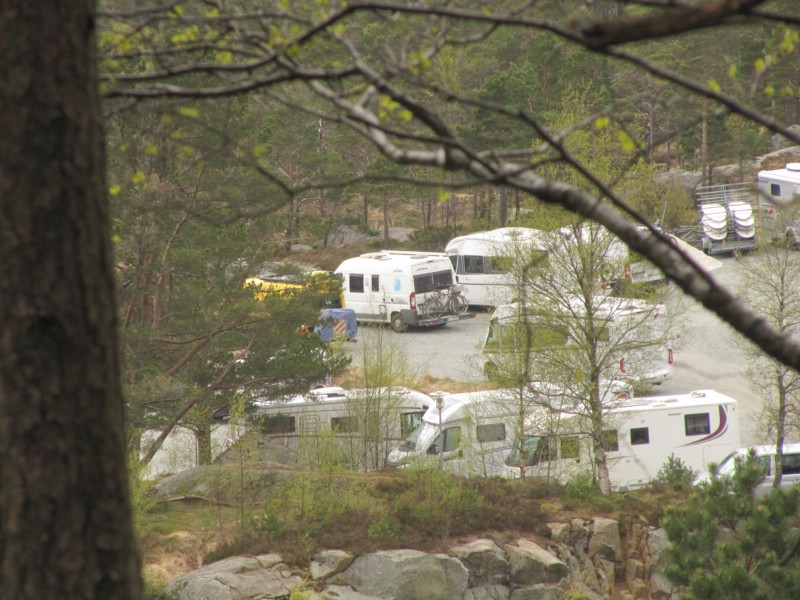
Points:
(640, 434)
(469, 434)
(392, 287)
(635, 326)
(482, 261)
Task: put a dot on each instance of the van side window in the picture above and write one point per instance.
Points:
(791, 464)
(491, 432)
(473, 264)
(698, 424)
(376, 283)
(409, 422)
(570, 446)
(640, 435)
(356, 284)
(610, 440)
(452, 439)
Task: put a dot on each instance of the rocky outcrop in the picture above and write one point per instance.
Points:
(595, 559)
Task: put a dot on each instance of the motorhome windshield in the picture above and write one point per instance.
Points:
(419, 439)
(429, 282)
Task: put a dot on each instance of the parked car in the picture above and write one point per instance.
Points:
(792, 234)
(765, 456)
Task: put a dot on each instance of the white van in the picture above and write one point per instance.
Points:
(470, 434)
(392, 287)
(765, 456)
(626, 323)
(640, 435)
(482, 261)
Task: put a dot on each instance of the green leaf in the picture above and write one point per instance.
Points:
(601, 123)
(188, 113)
(444, 195)
(626, 142)
(760, 65)
(714, 86)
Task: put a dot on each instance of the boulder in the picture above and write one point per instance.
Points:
(327, 563)
(237, 578)
(531, 564)
(488, 592)
(485, 561)
(405, 575)
(606, 542)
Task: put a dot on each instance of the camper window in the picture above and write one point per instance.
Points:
(497, 265)
(409, 422)
(344, 424)
(430, 282)
(791, 464)
(570, 446)
(357, 284)
(698, 424)
(640, 435)
(452, 439)
(271, 424)
(492, 432)
(473, 264)
(775, 189)
(610, 440)
(376, 283)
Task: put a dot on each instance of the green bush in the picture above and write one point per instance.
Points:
(675, 474)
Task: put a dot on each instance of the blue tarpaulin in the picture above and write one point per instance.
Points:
(336, 323)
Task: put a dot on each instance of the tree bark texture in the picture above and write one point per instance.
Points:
(65, 523)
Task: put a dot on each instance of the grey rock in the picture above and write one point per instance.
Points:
(531, 564)
(237, 578)
(327, 563)
(605, 542)
(485, 562)
(406, 575)
(488, 592)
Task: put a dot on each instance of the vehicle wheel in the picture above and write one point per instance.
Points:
(459, 304)
(397, 323)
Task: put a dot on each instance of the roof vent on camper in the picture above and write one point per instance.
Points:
(698, 394)
(793, 166)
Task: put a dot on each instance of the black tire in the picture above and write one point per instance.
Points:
(432, 308)
(458, 304)
(397, 323)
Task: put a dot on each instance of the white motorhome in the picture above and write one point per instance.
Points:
(698, 428)
(766, 457)
(482, 261)
(392, 287)
(778, 193)
(366, 423)
(470, 434)
(635, 325)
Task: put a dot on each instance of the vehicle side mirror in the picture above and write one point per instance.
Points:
(434, 449)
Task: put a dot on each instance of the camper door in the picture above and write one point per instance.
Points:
(363, 295)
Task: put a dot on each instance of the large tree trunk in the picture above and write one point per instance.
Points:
(65, 523)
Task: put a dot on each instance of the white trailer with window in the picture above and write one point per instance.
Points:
(640, 434)
(365, 423)
(483, 260)
(778, 195)
(392, 287)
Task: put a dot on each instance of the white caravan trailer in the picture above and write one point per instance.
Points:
(392, 286)
(778, 189)
(470, 435)
(698, 428)
(635, 325)
(366, 423)
(482, 261)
